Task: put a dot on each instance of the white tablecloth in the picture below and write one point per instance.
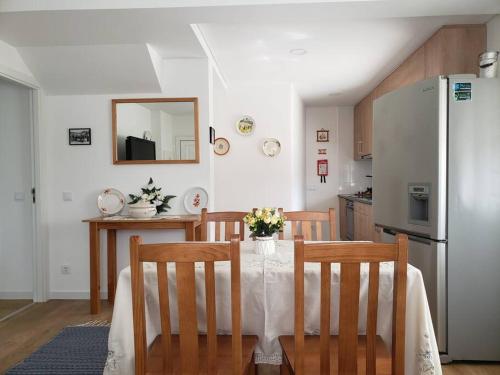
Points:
(267, 308)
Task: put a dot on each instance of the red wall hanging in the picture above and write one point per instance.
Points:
(322, 170)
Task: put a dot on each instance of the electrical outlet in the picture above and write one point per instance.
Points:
(65, 269)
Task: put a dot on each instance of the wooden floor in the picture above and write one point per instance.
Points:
(8, 306)
(28, 330)
(23, 333)
(452, 369)
(472, 369)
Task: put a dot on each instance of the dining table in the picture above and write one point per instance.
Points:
(267, 300)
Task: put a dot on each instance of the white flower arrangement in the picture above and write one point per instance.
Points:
(152, 194)
(264, 222)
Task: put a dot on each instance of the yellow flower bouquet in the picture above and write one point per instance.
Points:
(264, 222)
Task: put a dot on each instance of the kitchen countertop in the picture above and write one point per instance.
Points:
(352, 197)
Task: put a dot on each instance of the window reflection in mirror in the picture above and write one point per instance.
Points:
(155, 130)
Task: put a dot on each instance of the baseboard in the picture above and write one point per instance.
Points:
(63, 294)
(16, 295)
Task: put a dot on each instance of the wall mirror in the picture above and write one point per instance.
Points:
(155, 131)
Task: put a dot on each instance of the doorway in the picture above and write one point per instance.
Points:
(16, 198)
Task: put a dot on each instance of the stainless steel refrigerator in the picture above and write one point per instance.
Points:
(436, 177)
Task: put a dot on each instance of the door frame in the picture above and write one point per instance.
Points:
(178, 144)
(40, 254)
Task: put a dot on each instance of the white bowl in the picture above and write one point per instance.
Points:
(142, 210)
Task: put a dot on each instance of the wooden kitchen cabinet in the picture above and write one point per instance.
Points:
(343, 218)
(363, 222)
(363, 125)
(410, 71)
(453, 49)
(357, 131)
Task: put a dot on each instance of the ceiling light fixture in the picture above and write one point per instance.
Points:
(298, 51)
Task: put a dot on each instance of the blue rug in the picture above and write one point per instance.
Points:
(76, 350)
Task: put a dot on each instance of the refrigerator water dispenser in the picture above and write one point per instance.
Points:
(418, 198)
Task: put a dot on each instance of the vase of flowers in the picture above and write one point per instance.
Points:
(149, 202)
(263, 223)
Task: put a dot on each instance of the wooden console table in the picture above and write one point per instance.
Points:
(189, 223)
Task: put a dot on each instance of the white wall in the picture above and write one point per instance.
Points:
(87, 170)
(134, 120)
(344, 174)
(298, 160)
(13, 66)
(16, 213)
(246, 177)
(493, 34)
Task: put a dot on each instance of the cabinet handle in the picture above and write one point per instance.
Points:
(360, 147)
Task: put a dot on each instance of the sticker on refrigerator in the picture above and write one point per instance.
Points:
(462, 91)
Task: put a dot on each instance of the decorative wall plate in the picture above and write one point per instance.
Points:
(110, 202)
(245, 125)
(195, 199)
(221, 146)
(271, 147)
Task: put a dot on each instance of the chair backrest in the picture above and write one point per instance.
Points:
(303, 223)
(184, 255)
(229, 219)
(350, 255)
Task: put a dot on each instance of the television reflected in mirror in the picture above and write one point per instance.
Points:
(155, 131)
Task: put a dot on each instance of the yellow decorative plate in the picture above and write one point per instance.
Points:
(245, 125)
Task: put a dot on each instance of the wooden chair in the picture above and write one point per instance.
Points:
(228, 219)
(309, 219)
(356, 354)
(189, 352)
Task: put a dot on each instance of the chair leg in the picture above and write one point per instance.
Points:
(252, 368)
(284, 369)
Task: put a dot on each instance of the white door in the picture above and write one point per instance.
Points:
(185, 148)
(16, 202)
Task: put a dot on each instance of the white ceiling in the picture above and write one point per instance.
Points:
(172, 108)
(26, 5)
(344, 61)
(92, 69)
(170, 35)
(351, 44)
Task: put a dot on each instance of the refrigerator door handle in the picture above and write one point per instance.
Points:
(411, 237)
(419, 239)
(389, 231)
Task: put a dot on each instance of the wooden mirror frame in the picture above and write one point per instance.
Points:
(196, 160)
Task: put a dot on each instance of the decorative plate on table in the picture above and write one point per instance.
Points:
(221, 146)
(245, 125)
(271, 147)
(110, 202)
(195, 200)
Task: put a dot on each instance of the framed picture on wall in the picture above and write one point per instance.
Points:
(322, 135)
(79, 136)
